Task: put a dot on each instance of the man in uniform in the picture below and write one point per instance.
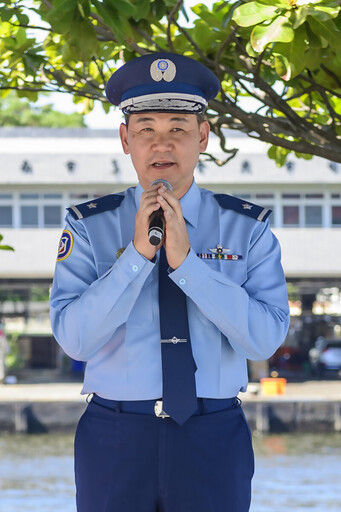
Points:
(166, 329)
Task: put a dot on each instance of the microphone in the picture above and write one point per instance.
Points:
(157, 220)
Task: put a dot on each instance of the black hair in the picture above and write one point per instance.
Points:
(199, 115)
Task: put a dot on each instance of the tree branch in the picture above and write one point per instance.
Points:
(265, 129)
(170, 19)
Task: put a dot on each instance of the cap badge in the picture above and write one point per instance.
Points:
(162, 69)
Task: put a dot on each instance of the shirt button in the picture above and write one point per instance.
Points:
(135, 268)
(182, 281)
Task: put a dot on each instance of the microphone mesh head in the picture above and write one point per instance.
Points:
(164, 182)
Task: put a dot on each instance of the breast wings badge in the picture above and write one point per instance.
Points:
(219, 253)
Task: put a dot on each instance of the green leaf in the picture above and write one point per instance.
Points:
(290, 57)
(81, 10)
(327, 30)
(106, 107)
(206, 14)
(123, 6)
(23, 19)
(21, 36)
(60, 21)
(325, 13)
(279, 3)
(6, 14)
(278, 154)
(282, 66)
(278, 30)
(253, 13)
(299, 17)
(203, 34)
(305, 156)
(64, 5)
(83, 39)
(158, 9)
(119, 25)
(142, 9)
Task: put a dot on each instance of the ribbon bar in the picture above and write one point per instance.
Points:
(232, 257)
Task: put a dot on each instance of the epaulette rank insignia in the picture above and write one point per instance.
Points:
(99, 205)
(242, 206)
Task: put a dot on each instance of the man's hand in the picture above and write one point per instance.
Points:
(176, 240)
(148, 205)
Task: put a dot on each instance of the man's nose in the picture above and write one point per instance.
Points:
(162, 141)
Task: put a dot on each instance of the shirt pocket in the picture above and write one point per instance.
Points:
(146, 306)
(232, 269)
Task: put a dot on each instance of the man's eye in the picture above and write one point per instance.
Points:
(147, 129)
(177, 130)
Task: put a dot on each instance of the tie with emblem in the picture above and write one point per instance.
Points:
(178, 366)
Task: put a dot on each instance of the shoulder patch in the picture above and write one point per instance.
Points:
(242, 206)
(98, 205)
(65, 245)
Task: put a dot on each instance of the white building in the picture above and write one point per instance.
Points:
(42, 171)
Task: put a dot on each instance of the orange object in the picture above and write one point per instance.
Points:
(273, 386)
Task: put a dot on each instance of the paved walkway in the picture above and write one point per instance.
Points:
(70, 392)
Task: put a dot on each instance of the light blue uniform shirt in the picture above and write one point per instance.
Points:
(104, 308)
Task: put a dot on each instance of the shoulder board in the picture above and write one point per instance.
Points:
(242, 206)
(98, 205)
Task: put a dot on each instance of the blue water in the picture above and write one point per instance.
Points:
(297, 473)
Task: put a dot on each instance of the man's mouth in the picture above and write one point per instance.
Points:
(162, 165)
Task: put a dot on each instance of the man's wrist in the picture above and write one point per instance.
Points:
(148, 255)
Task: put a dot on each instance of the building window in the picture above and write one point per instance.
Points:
(314, 196)
(29, 216)
(79, 197)
(291, 196)
(336, 215)
(290, 216)
(52, 216)
(264, 196)
(29, 196)
(53, 196)
(6, 216)
(313, 216)
(246, 167)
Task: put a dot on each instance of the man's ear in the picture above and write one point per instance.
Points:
(124, 138)
(204, 135)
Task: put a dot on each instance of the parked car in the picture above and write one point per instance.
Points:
(325, 356)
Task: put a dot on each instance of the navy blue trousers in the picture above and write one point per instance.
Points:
(128, 462)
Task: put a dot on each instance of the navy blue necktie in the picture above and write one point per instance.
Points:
(179, 399)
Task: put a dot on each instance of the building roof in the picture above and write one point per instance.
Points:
(45, 156)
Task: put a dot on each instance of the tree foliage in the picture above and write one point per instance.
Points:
(16, 111)
(279, 61)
